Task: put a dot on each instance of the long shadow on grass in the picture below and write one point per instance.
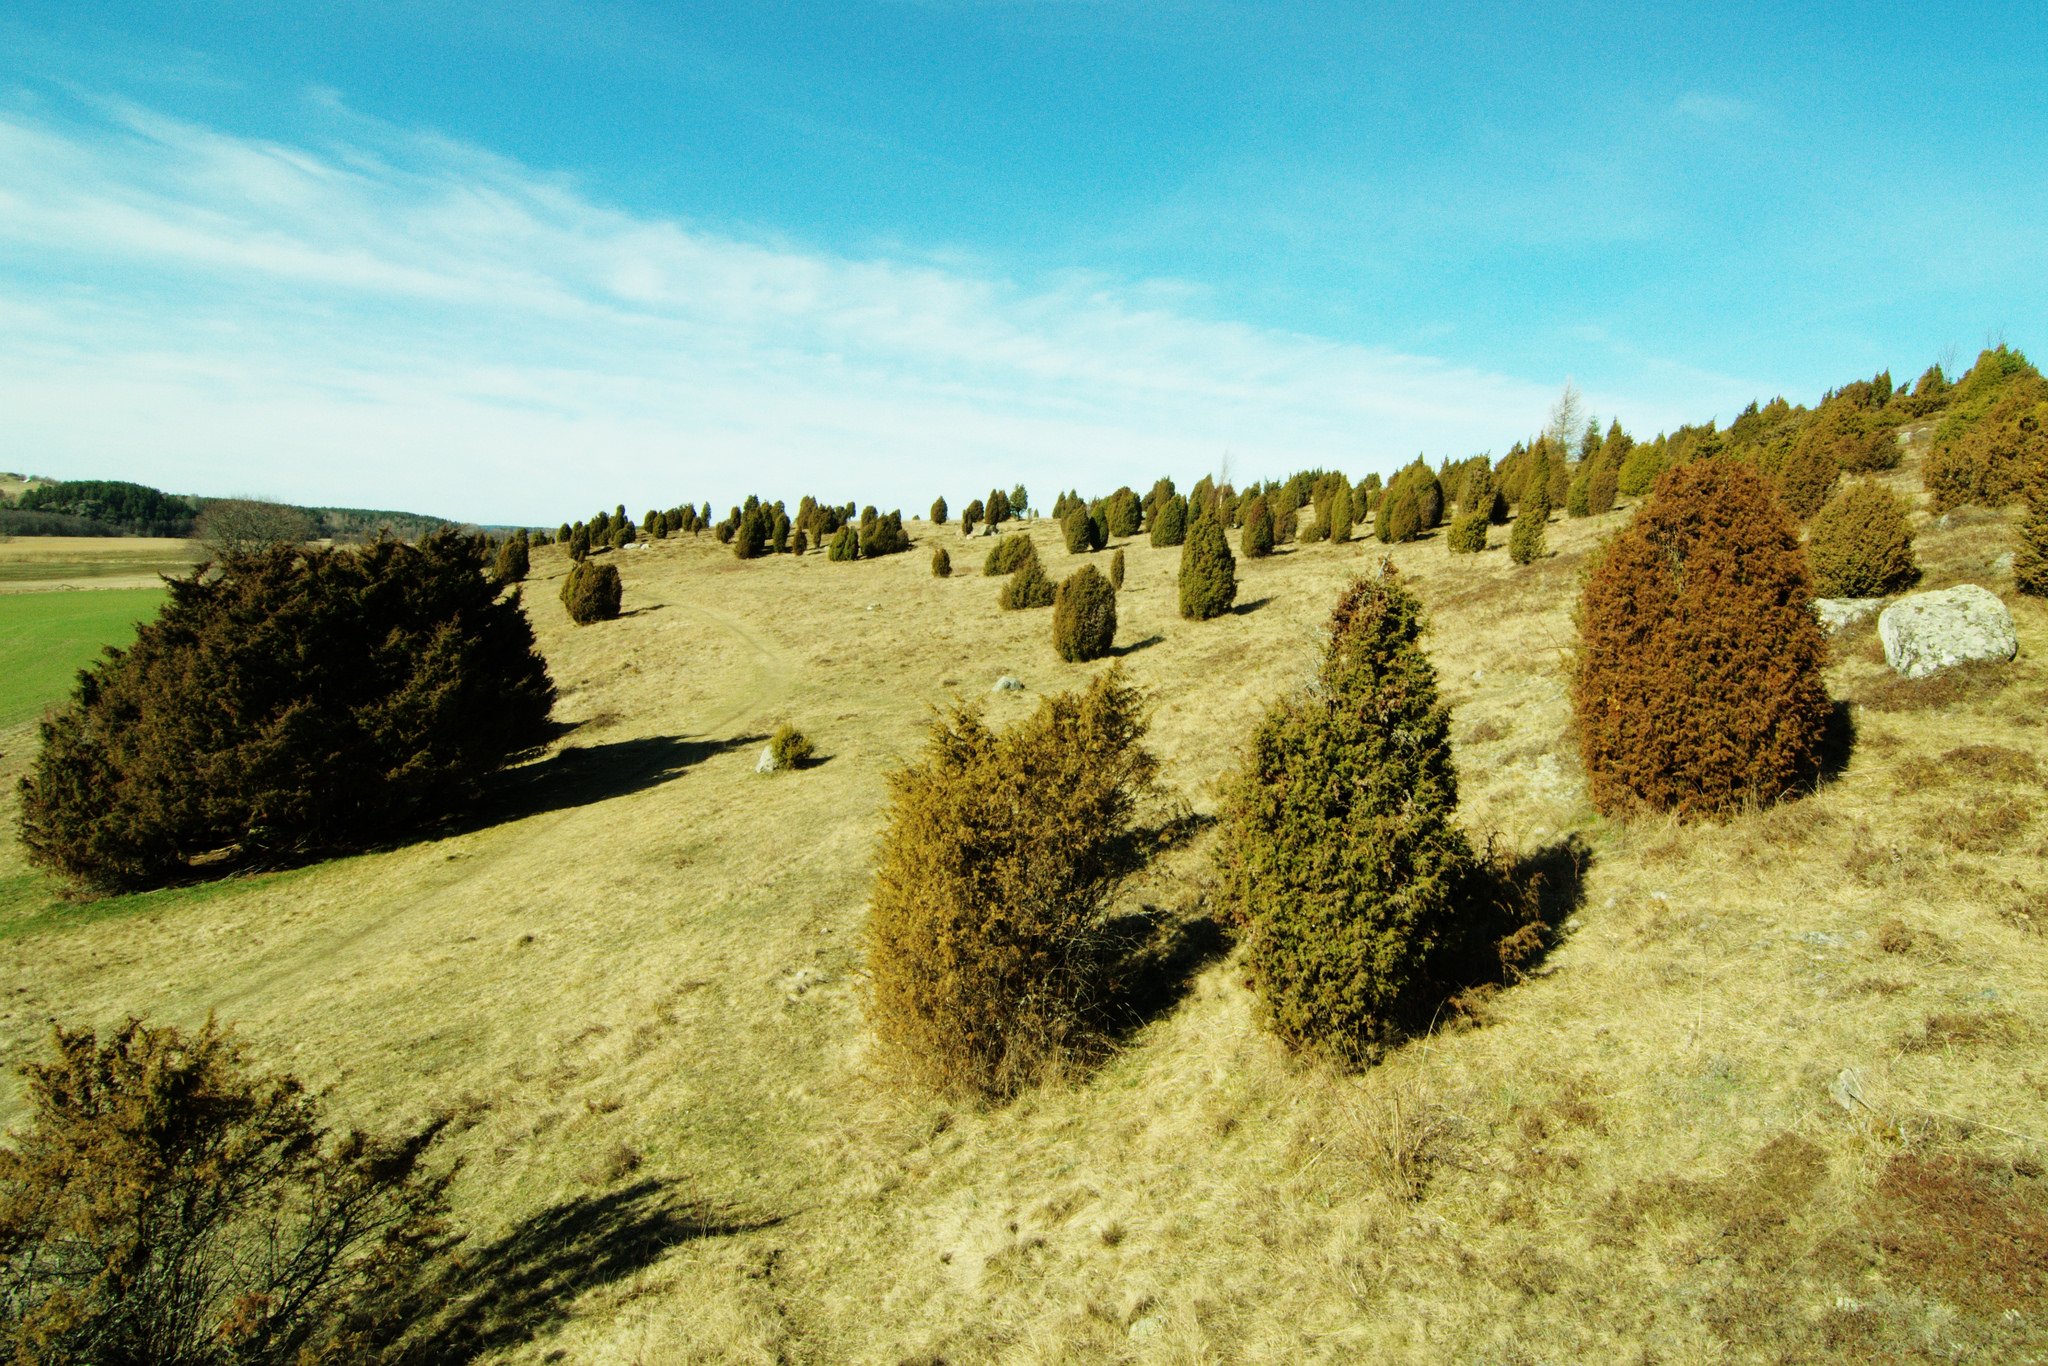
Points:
(1838, 743)
(579, 775)
(519, 1287)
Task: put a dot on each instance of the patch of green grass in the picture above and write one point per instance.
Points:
(33, 904)
(46, 638)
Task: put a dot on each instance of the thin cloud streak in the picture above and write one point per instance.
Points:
(394, 318)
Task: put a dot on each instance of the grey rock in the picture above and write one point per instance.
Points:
(1924, 633)
(767, 763)
(1008, 684)
(1839, 614)
(1847, 1091)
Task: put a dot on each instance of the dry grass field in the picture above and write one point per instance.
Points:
(1776, 1094)
(39, 564)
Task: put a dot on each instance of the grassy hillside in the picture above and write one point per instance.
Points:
(1776, 1095)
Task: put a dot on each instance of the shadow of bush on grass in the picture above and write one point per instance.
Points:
(522, 1285)
(1524, 899)
(581, 775)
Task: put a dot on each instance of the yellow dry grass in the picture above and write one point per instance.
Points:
(652, 975)
(37, 564)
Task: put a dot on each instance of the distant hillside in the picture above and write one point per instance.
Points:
(110, 507)
(362, 524)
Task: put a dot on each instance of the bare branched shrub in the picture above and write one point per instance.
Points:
(166, 1203)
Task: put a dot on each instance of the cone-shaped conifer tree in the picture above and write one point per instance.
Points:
(1340, 853)
(1208, 573)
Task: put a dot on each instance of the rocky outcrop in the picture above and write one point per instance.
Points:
(1924, 633)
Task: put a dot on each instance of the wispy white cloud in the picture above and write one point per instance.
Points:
(1695, 106)
(386, 317)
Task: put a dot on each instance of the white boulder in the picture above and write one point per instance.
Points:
(1924, 633)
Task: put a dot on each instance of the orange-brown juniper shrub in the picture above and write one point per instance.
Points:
(1860, 545)
(1698, 685)
(988, 954)
(2030, 551)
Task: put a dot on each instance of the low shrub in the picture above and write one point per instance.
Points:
(1467, 534)
(591, 592)
(1808, 478)
(1079, 532)
(1861, 545)
(942, 563)
(2030, 549)
(1084, 616)
(790, 747)
(1170, 522)
(987, 952)
(514, 561)
(845, 544)
(1028, 587)
(1008, 555)
(1116, 570)
(1526, 536)
(1399, 518)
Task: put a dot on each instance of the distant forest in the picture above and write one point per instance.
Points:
(113, 507)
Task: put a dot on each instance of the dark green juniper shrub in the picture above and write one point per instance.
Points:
(1525, 537)
(1078, 531)
(513, 559)
(1860, 545)
(845, 544)
(1116, 570)
(1170, 522)
(1028, 587)
(1084, 616)
(1008, 555)
(165, 1202)
(1256, 541)
(942, 563)
(1399, 517)
(1208, 573)
(591, 592)
(989, 965)
(1339, 851)
(883, 535)
(285, 705)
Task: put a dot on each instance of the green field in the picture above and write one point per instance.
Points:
(46, 638)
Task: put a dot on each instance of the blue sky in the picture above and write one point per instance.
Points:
(515, 261)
